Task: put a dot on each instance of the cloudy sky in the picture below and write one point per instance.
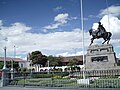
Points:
(54, 26)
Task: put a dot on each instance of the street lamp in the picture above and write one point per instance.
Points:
(30, 64)
(31, 68)
(4, 67)
(3, 80)
(12, 71)
(48, 66)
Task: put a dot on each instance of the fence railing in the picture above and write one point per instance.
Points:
(0, 74)
(96, 78)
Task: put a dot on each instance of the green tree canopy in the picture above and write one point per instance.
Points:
(73, 62)
(38, 58)
(54, 61)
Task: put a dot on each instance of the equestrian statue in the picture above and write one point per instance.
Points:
(100, 33)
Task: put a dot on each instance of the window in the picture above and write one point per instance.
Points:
(21, 65)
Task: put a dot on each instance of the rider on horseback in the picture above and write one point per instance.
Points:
(101, 30)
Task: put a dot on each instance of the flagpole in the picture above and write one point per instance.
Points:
(82, 24)
(108, 15)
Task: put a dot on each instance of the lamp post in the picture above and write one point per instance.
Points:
(30, 68)
(4, 67)
(48, 66)
(12, 71)
(3, 80)
(30, 64)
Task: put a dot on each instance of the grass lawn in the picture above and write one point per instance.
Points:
(99, 83)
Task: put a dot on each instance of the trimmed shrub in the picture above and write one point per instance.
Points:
(51, 75)
(41, 75)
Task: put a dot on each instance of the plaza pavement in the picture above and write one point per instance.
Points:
(39, 88)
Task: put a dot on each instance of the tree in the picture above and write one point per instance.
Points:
(1, 65)
(8, 64)
(38, 58)
(54, 61)
(73, 62)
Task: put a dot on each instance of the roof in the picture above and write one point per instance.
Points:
(67, 59)
(14, 59)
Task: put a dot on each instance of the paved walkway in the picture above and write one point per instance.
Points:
(37, 88)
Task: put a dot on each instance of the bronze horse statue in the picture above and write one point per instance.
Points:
(106, 36)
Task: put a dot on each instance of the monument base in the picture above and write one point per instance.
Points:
(100, 57)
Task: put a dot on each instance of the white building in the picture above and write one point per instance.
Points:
(22, 63)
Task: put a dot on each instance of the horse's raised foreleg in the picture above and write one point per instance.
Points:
(91, 41)
(104, 41)
(108, 41)
(108, 38)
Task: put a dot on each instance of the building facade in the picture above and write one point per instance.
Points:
(21, 63)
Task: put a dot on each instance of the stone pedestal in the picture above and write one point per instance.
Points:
(100, 57)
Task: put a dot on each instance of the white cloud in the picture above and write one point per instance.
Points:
(26, 42)
(73, 18)
(58, 8)
(95, 26)
(13, 35)
(112, 10)
(62, 18)
(16, 29)
(52, 26)
(111, 22)
(65, 54)
(59, 20)
(1, 23)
